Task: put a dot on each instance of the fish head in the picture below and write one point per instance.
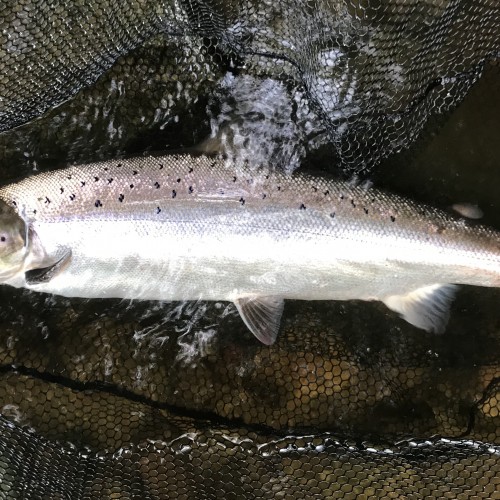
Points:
(13, 241)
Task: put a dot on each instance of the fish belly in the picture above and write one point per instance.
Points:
(175, 260)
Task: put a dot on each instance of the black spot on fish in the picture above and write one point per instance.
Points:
(315, 188)
(178, 179)
(157, 185)
(332, 215)
(158, 210)
(110, 180)
(267, 177)
(62, 190)
(212, 165)
(174, 193)
(47, 200)
(366, 210)
(160, 165)
(302, 206)
(190, 170)
(98, 203)
(131, 186)
(341, 196)
(234, 178)
(72, 197)
(190, 189)
(96, 179)
(353, 204)
(393, 219)
(14, 203)
(242, 200)
(121, 197)
(264, 195)
(106, 169)
(69, 177)
(135, 172)
(326, 193)
(279, 188)
(83, 183)
(34, 212)
(119, 165)
(2, 238)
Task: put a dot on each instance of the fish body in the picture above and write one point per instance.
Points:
(189, 227)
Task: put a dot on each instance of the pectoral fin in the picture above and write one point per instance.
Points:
(262, 315)
(45, 274)
(427, 308)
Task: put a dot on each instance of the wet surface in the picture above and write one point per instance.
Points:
(145, 396)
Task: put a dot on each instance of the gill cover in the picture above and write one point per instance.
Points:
(13, 241)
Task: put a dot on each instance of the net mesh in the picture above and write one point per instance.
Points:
(111, 399)
(372, 72)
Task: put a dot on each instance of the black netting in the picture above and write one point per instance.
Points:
(122, 402)
(110, 399)
(236, 463)
(373, 72)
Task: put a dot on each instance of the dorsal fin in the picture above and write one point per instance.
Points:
(262, 315)
(427, 307)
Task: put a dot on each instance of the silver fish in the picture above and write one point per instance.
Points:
(189, 227)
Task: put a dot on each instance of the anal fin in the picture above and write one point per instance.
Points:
(262, 315)
(427, 307)
(45, 274)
